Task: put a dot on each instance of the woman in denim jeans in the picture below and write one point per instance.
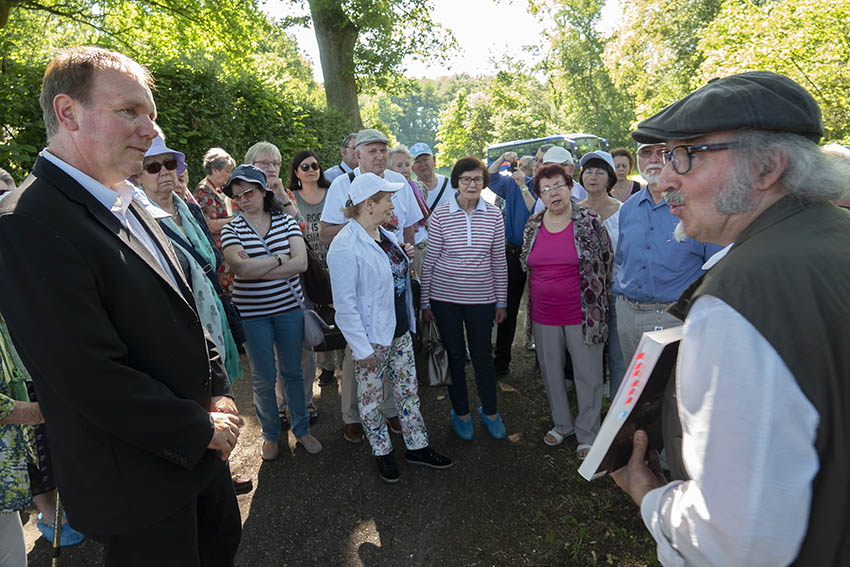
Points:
(265, 249)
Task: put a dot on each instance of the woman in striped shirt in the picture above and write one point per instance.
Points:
(465, 282)
(265, 249)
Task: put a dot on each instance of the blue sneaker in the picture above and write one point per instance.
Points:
(67, 537)
(495, 427)
(463, 429)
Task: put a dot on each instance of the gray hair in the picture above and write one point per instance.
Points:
(217, 158)
(348, 139)
(810, 173)
(400, 149)
(261, 148)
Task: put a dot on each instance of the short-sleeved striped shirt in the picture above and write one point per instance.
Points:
(259, 298)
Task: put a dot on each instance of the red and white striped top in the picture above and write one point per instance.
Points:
(465, 259)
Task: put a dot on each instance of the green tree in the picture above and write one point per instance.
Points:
(805, 39)
(580, 84)
(362, 45)
(466, 127)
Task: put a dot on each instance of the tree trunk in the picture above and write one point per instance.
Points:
(336, 35)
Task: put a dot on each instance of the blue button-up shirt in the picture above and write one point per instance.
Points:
(516, 213)
(653, 266)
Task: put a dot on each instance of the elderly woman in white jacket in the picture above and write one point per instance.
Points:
(370, 278)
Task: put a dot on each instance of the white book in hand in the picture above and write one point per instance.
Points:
(637, 404)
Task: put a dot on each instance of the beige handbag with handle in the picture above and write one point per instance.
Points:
(438, 359)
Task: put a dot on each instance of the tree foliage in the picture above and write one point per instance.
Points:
(206, 94)
(807, 40)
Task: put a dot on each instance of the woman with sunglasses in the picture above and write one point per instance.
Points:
(266, 251)
(308, 183)
(568, 256)
(185, 226)
(465, 284)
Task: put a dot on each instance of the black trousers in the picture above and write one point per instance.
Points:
(205, 532)
(507, 328)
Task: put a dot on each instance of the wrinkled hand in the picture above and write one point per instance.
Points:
(225, 435)
(244, 255)
(519, 178)
(501, 314)
(408, 249)
(24, 413)
(223, 404)
(428, 316)
(636, 478)
(368, 363)
(276, 185)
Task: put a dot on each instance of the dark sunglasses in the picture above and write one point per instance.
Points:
(308, 166)
(154, 167)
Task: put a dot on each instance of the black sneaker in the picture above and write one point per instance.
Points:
(327, 378)
(387, 469)
(428, 457)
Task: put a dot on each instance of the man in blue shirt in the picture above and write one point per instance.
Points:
(654, 269)
(519, 203)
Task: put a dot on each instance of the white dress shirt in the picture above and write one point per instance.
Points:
(748, 435)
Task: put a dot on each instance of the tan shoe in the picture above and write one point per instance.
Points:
(353, 432)
(311, 444)
(270, 450)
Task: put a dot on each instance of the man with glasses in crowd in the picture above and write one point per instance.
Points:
(654, 268)
(764, 363)
(348, 151)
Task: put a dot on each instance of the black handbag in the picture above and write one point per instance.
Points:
(334, 340)
(316, 281)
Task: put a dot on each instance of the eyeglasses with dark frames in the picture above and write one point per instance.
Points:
(680, 154)
(155, 167)
(308, 166)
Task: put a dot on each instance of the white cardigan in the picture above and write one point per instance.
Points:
(363, 289)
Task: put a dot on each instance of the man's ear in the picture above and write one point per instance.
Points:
(66, 109)
(770, 168)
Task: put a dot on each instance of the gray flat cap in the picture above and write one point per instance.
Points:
(759, 100)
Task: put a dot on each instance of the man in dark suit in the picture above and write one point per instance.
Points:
(135, 397)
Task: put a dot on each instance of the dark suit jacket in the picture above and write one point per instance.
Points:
(119, 359)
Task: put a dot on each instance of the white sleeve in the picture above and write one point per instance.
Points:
(335, 200)
(344, 272)
(538, 206)
(748, 446)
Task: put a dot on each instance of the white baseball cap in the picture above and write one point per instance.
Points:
(367, 184)
(557, 154)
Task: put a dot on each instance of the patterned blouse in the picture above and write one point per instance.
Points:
(17, 442)
(214, 205)
(596, 258)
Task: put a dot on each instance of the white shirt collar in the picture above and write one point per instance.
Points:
(716, 257)
(481, 205)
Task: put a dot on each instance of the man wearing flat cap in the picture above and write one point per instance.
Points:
(763, 376)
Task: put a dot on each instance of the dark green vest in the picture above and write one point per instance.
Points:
(788, 274)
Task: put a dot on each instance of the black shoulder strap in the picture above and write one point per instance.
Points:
(351, 176)
(442, 190)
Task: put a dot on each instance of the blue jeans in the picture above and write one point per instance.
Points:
(262, 334)
(478, 319)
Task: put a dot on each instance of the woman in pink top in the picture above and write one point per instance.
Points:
(567, 253)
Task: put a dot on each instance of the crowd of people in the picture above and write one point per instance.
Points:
(148, 265)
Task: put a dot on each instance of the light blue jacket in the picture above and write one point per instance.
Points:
(363, 289)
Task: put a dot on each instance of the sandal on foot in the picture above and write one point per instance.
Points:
(553, 438)
(582, 450)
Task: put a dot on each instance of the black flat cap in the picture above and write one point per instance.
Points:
(758, 100)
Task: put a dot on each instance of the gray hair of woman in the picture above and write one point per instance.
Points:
(261, 148)
(218, 158)
(399, 149)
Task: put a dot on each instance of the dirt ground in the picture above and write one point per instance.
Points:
(512, 502)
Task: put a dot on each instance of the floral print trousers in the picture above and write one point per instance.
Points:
(394, 363)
